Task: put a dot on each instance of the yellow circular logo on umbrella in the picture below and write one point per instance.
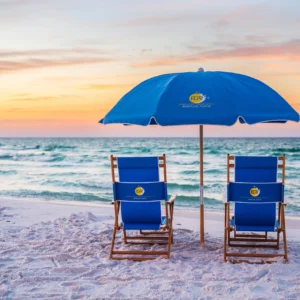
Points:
(139, 191)
(254, 192)
(197, 98)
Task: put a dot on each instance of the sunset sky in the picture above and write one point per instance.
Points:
(65, 63)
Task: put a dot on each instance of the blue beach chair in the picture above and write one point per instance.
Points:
(258, 201)
(138, 194)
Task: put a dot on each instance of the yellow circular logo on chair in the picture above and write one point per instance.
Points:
(197, 98)
(139, 191)
(254, 192)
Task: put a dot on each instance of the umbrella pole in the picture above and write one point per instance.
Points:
(201, 187)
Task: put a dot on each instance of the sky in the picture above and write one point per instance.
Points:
(65, 63)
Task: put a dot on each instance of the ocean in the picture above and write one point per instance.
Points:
(78, 169)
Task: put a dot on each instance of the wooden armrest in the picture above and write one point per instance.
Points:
(172, 199)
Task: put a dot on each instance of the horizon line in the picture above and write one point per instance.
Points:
(148, 137)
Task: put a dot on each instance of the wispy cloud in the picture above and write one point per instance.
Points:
(161, 19)
(13, 2)
(289, 50)
(10, 66)
(257, 38)
(107, 86)
(221, 23)
(32, 99)
(280, 74)
(41, 112)
(52, 52)
(18, 60)
(216, 19)
(28, 98)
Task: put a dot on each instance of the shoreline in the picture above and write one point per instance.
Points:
(26, 211)
(108, 205)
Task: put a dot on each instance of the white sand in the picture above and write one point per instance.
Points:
(54, 250)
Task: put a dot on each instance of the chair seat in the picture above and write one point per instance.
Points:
(254, 227)
(133, 226)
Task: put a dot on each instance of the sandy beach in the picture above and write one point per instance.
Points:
(59, 250)
(135, 102)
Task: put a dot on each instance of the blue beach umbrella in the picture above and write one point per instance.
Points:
(200, 98)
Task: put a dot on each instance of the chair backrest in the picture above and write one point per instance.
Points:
(256, 168)
(139, 189)
(255, 191)
(138, 169)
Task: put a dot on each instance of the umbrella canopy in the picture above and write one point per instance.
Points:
(215, 98)
(212, 98)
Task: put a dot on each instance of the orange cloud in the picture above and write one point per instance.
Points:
(107, 86)
(27, 98)
(48, 127)
(32, 99)
(63, 112)
(279, 74)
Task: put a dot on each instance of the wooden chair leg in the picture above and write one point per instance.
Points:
(278, 239)
(112, 243)
(285, 246)
(228, 224)
(228, 236)
(284, 235)
(169, 242)
(225, 244)
(125, 236)
(225, 233)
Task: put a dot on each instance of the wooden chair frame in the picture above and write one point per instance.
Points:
(254, 240)
(163, 236)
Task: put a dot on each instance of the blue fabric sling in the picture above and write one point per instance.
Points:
(140, 192)
(255, 193)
